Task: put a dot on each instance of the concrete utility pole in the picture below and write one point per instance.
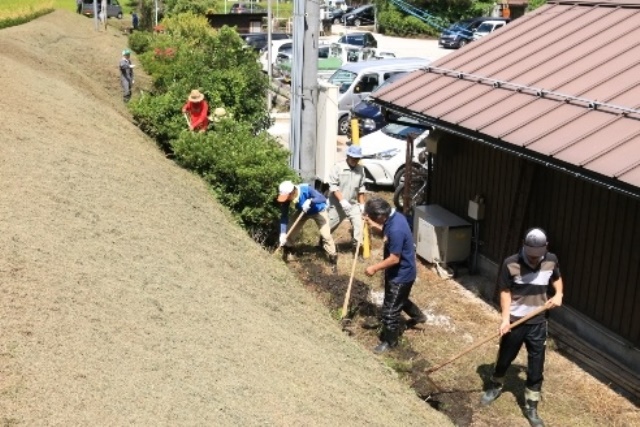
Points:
(309, 91)
(269, 53)
(304, 87)
(95, 14)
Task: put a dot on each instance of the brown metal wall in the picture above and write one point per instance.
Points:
(594, 231)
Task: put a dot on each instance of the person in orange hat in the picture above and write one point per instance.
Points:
(198, 111)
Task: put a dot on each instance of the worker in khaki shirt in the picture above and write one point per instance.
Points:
(346, 188)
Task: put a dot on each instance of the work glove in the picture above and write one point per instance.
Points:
(283, 239)
(346, 206)
(306, 206)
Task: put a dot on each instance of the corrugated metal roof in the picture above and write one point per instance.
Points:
(562, 82)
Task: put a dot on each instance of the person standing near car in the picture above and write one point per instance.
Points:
(198, 111)
(524, 283)
(346, 188)
(399, 265)
(126, 75)
(312, 205)
(79, 7)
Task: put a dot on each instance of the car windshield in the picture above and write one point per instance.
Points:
(400, 131)
(343, 79)
(485, 28)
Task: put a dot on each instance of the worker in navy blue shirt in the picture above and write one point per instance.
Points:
(312, 205)
(399, 265)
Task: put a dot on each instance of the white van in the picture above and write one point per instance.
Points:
(357, 80)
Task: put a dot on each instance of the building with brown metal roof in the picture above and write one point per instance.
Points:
(542, 119)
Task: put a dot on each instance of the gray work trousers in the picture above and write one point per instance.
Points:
(126, 88)
(337, 215)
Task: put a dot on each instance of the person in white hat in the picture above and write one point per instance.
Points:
(313, 205)
(524, 282)
(198, 111)
(346, 187)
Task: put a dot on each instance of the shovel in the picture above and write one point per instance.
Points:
(295, 223)
(487, 339)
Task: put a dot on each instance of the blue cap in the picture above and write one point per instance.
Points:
(354, 151)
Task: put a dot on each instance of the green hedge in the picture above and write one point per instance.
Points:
(241, 161)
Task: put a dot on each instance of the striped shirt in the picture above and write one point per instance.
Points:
(528, 285)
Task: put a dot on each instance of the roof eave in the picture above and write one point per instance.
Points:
(547, 161)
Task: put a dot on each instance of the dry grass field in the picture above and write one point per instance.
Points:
(128, 296)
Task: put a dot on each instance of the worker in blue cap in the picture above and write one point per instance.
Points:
(346, 188)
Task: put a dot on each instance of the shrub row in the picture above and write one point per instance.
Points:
(241, 161)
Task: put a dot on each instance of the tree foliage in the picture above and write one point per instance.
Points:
(241, 161)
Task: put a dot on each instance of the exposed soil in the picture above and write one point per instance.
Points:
(458, 318)
(128, 296)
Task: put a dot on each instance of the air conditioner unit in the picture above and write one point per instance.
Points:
(440, 235)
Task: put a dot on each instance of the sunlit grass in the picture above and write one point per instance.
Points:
(11, 9)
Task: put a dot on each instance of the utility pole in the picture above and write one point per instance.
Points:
(304, 87)
(308, 132)
(269, 53)
(95, 14)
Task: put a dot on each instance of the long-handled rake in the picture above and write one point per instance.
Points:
(487, 339)
(345, 305)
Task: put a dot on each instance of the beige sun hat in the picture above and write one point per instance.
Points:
(219, 114)
(196, 96)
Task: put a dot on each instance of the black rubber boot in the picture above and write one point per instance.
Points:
(389, 340)
(417, 316)
(491, 393)
(531, 408)
(333, 260)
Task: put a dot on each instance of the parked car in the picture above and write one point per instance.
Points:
(368, 114)
(337, 13)
(364, 15)
(284, 46)
(487, 27)
(114, 10)
(357, 80)
(461, 33)
(384, 153)
(247, 8)
(362, 39)
(258, 41)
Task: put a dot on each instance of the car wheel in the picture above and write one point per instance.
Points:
(119, 15)
(357, 22)
(462, 43)
(336, 21)
(343, 125)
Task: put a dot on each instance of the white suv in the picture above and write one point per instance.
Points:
(487, 27)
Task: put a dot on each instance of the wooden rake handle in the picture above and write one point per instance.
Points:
(345, 306)
(291, 229)
(487, 339)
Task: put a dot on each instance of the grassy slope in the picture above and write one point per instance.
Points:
(128, 295)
